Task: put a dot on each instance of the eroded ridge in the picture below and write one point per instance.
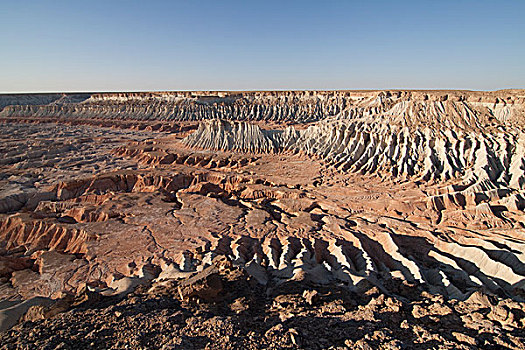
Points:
(480, 168)
(383, 252)
(460, 108)
(491, 160)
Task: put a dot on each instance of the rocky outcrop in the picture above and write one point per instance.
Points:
(484, 161)
(15, 232)
(382, 258)
(237, 312)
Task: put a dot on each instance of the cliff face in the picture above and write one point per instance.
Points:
(485, 161)
(283, 106)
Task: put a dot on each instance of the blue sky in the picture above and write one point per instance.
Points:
(250, 45)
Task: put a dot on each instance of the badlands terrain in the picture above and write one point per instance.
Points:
(253, 220)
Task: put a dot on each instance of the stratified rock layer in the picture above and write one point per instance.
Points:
(487, 160)
(431, 107)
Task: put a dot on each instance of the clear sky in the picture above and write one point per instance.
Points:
(241, 45)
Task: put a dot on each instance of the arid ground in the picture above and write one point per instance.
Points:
(254, 220)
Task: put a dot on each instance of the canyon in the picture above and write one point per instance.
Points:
(242, 219)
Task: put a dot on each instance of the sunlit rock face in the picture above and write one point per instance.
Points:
(413, 193)
(467, 109)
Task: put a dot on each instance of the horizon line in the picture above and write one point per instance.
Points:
(244, 90)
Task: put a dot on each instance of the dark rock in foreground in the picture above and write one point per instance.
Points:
(246, 315)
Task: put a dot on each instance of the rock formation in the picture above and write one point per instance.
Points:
(282, 106)
(362, 205)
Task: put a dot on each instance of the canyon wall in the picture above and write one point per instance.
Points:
(505, 106)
